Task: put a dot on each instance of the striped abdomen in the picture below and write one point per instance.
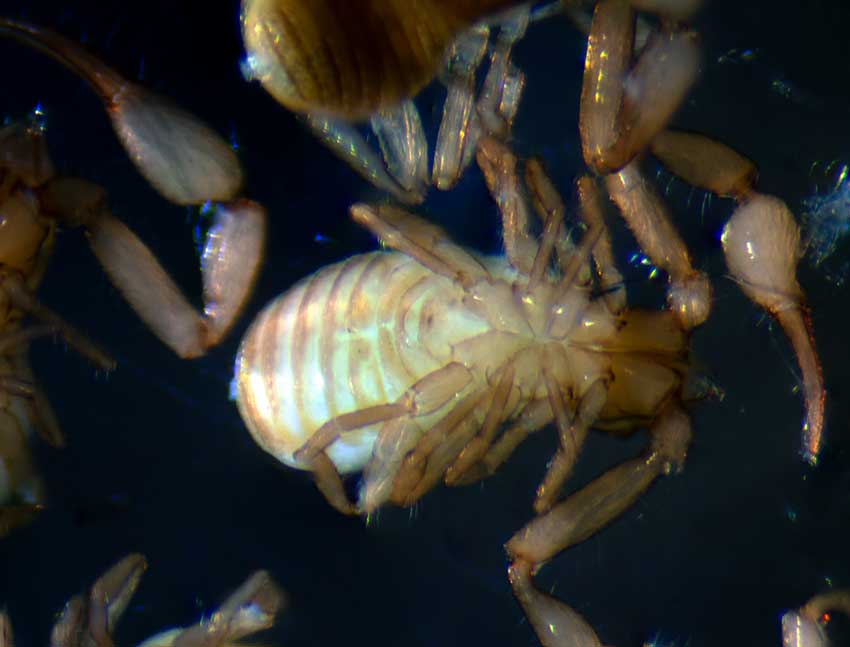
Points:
(352, 58)
(346, 338)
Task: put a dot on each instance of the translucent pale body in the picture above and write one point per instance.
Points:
(360, 333)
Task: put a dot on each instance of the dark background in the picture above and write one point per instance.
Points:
(159, 460)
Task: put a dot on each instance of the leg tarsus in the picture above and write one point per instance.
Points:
(24, 300)
(330, 484)
(610, 278)
(549, 205)
(424, 397)
(536, 415)
(396, 438)
(572, 433)
(415, 466)
(422, 241)
(498, 165)
(474, 451)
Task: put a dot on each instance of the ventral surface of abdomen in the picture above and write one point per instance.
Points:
(345, 338)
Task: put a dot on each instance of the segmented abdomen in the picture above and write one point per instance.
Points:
(343, 339)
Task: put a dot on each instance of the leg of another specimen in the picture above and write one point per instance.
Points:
(232, 257)
(21, 487)
(251, 608)
(459, 128)
(404, 147)
(349, 145)
(91, 618)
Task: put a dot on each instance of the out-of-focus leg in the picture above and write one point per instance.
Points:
(536, 415)
(36, 408)
(6, 638)
(803, 627)
(404, 147)
(422, 241)
(503, 85)
(21, 487)
(23, 299)
(344, 140)
(460, 127)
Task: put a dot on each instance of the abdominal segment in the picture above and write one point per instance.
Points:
(333, 344)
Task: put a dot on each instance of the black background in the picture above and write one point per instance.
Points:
(159, 460)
